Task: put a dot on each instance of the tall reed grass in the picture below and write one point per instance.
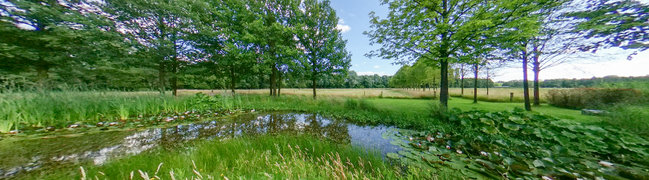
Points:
(264, 157)
(62, 108)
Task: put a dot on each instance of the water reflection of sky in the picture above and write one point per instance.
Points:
(105, 148)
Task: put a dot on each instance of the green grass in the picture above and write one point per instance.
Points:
(266, 157)
(356, 110)
(40, 109)
(419, 106)
(59, 109)
(634, 118)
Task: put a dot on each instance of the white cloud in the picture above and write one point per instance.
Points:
(377, 66)
(373, 73)
(342, 27)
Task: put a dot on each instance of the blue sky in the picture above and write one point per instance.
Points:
(355, 20)
(354, 16)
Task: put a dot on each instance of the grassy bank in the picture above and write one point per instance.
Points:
(267, 157)
(40, 109)
(60, 109)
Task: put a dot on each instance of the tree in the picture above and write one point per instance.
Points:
(227, 43)
(439, 29)
(612, 23)
(553, 45)
(157, 26)
(518, 36)
(50, 35)
(323, 45)
(274, 33)
(462, 72)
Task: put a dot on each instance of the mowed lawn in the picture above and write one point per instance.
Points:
(394, 100)
(425, 106)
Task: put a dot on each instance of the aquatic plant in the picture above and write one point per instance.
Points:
(5, 126)
(517, 144)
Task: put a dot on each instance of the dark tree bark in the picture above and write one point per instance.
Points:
(537, 70)
(174, 68)
(233, 81)
(273, 80)
(174, 78)
(313, 81)
(443, 93)
(487, 82)
(526, 90)
(279, 84)
(314, 76)
(161, 77)
(462, 80)
(475, 83)
(434, 87)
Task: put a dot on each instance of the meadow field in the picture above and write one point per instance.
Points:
(495, 94)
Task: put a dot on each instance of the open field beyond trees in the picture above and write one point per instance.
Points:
(495, 94)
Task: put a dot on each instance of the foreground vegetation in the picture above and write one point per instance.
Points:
(60, 109)
(274, 157)
(483, 140)
(516, 144)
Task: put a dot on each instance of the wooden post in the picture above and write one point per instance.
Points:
(511, 97)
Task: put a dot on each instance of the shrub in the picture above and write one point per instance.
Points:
(591, 97)
(630, 117)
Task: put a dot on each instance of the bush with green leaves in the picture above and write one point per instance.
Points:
(527, 145)
(592, 97)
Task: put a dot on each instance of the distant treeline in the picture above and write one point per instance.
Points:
(145, 80)
(420, 75)
(640, 82)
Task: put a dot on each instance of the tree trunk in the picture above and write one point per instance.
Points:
(161, 68)
(526, 90)
(174, 78)
(487, 82)
(313, 75)
(174, 66)
(279, 84)
(43, 74)
(233, 81)
(434, 87)
(536, 69)
(273, 80)
(443, 93)
(161, 77)
(475, 83)
(462, 80)
(313, 81)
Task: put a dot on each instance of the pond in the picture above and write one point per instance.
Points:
(25, 155)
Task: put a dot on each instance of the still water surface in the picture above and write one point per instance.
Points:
(19, 156)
